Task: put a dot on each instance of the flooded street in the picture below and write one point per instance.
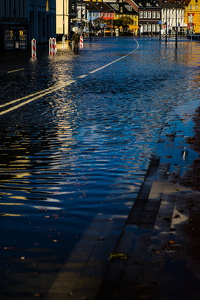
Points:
(77, 133)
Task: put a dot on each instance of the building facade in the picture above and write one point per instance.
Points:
(100, 15)
(149, 18)
(192, 16)
(23, 20)
(129, 10)
(172, 18)
(42, 20)
(66, 11)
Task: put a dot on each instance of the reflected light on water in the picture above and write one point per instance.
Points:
(83, 151)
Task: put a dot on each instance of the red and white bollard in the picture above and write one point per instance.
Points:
(50, 49)
(52, 46)
(81, 42)
(33, 49)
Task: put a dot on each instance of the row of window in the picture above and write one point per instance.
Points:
(149, 14)
(105, 15)
(173, 20)
(196, 7)
(108, 15)
(151, 28)
(173, 11)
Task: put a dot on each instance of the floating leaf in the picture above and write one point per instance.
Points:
(156, 251)
(171, 242)
(118, 256)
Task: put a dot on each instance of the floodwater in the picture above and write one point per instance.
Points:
(81, 150)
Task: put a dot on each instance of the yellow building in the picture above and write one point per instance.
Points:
(65, 12)
(192, 16)
(134, 27)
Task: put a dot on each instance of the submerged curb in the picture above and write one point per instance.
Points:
(159, 246)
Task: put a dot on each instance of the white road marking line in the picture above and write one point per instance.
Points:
(31, 95)
(49, 91)
(82, 76)
(42, 93)
(112, 62)
(12, 71)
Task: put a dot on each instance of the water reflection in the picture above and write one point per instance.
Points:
(83, 150)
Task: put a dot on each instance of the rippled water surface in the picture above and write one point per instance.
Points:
(84, 149)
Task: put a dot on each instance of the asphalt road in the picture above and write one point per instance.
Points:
(77, 134)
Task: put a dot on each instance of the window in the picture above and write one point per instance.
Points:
(73, 5)
(153, 14)
(158, 14)
(145, 14)
(141, 14)
(149, 14)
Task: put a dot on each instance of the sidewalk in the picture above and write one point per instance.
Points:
(158, 253)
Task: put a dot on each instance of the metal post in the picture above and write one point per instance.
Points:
(176, 37)
(166, 27)
(160, 24)
(63, 17)
(90, 30)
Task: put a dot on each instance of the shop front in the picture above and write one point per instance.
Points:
(15, 37)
